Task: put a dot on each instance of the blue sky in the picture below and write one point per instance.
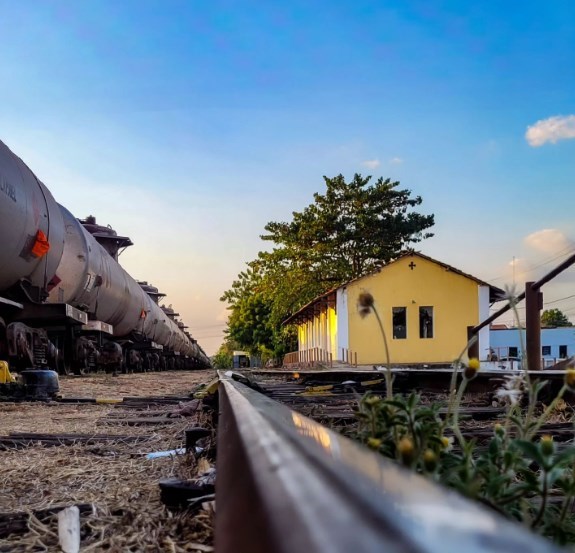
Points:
(190, 124)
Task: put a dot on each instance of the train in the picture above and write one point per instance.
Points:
(66, 303)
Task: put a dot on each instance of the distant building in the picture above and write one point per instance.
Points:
(426, 308)
(556, 343)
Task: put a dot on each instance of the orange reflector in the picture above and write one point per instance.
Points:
(41, 245)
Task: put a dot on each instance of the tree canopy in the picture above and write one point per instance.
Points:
(347, 232)
(554, 317)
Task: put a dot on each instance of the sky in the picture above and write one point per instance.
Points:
(188, 125)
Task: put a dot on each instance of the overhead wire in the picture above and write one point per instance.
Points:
(563, 252)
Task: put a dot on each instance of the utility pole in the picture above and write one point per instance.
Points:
(532, 317)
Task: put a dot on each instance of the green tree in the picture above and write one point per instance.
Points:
(349, 231)
(223, 359)
(554, 317)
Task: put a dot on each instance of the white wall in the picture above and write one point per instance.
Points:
(342, 321)
(483, 297)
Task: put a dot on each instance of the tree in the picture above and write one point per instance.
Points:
(222, 359)
(554, 317)
(349, 231)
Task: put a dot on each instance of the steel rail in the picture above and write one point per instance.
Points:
(289, 485)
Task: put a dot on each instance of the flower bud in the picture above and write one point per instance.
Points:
(447, 443)
(365, 303)
(406, 451)
(570, 379)
(372, 400)
(499, 430)
(472, 368)
(547, 445)
(374, 443)
(429, 460)
(365, 299)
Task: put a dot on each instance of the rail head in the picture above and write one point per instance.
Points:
(287, 484)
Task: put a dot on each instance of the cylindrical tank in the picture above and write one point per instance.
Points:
(91, 279)
(28, 213)
(44, 244)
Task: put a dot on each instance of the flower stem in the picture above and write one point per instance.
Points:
(456, 429)
(546, 413)
(388, 374)
(453, 383)
(543, 502)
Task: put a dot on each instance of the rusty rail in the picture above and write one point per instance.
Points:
(287, 484)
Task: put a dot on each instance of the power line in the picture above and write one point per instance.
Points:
(563, 252)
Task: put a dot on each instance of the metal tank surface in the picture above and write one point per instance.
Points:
(50, 259)
(28, 215)
(90, 279)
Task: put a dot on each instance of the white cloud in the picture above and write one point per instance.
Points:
(371, 163)
(551, 130)
(549, 241)
(396, 161)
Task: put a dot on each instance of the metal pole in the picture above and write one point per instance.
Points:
(544, 280)
(473, 350)
(533, 306)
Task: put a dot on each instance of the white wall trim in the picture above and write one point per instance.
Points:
(483, 300)
(342, 321)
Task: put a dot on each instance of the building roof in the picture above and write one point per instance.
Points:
(495, 294)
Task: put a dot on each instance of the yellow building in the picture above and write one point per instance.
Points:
(425, 306)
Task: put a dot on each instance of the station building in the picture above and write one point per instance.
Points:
(426, 308)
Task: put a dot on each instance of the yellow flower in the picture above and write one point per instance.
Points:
(374, 443)
(499, 430)
(447, 443)
(472, 368)
(570, 378)
(406, 450)
(474, 363)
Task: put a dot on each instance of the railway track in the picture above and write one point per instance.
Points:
(289, 484)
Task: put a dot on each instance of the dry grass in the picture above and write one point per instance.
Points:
(142, 384)
(114, 476)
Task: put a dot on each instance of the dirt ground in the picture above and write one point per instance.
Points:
(114, 475)
(178, 383)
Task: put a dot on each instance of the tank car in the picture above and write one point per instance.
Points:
(66, 304)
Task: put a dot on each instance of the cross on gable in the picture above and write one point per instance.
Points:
(412, 265)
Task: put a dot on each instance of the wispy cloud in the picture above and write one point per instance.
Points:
(548, 240)
(559, 127)
(371, 163)
(396, 161)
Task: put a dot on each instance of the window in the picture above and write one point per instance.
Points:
(513, 352)
(399, 323)
(426, 322)
(562, 352)
(546, 350)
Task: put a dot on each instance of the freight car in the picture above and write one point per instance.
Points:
(66, 304)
